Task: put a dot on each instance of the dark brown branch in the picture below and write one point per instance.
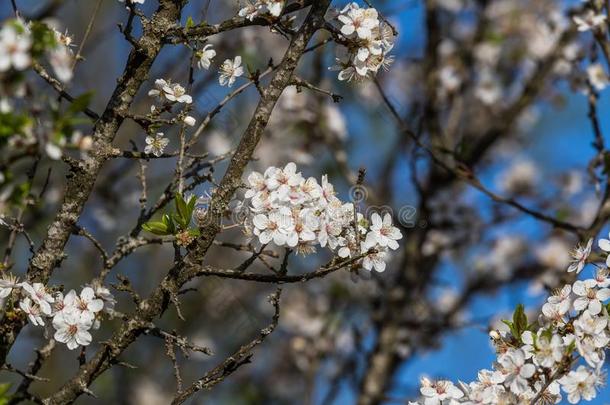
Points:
(186, 270)
(82, 179)
(236, 360)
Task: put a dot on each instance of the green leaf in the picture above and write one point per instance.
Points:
(520, 320)
(182, 224)
(194, 232)
(43, 38)
(494, 37)
(181, 207)
(189, 22)
(548, 333)
(191, 205)
(13, 124)
(4, 395)
(158, 228)
(80, 103)
(184, 210)
(169, 223)
(511, 326)
(534, 326)
(20, 194)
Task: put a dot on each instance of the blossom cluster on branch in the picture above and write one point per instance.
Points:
(72, 315)
(167, 94)
(292, 211)
(368, 42)
(24, 45)
(564, 350)
(21, 43)
(502, 66)
(262, 7)
(365, 41)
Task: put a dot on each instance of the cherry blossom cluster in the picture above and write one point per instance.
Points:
(15, 45)
(563, 352)
(261, 7)
(289, 210)
(367, 43)
(597, 76)
(229, 70)
(589, 20)
(21, 41)
(133, 1)
(167, 94)
(72, 315)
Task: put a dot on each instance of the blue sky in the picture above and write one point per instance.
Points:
(559, 140)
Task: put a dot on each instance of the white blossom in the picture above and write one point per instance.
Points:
(274, 7)
(579, 257)
(85, 305)
(580, 384)
(544, 350)
(230, 70)
(375, 261)
(488, 88)
(488, 388)
(359, 21)
(104, 294)
(589, 297)
(257, 184)
(72, 330)
(8, 282)
(439, 392)
(591, 336)
(53, 150)
(250, 10)
(40, 296)
(561, 301)
(261, 7)
(597, 76)
(383, 232)
(167, 91)
(601, 278)
(205, 57)
(515, 370)
(32, 310)
(277, 227)
(190, 121)
(61, 57)
(156, 144)
(589, 20)
(525, 363)
(15, 44)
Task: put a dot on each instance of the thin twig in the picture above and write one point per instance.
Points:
(86, 35)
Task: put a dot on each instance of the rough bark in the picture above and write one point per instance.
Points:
(412, 281)
(187, 269)
(82, 177)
